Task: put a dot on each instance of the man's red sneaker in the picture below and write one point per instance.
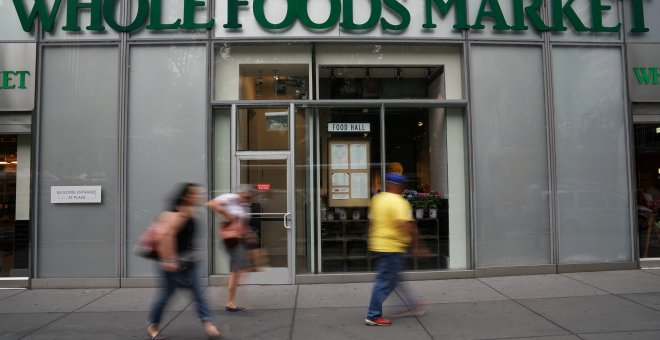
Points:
(379, 321)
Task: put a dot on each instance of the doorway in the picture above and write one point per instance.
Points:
(647, 156)
(271, 218)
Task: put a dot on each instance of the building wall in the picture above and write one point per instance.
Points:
(549, 177)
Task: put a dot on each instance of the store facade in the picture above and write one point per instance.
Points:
(514, 122)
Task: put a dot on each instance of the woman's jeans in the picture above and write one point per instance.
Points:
(186, 278)
(388, 266)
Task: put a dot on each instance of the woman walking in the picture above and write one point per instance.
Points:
(177, 265)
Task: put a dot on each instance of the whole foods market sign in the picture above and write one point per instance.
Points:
(17, 70)
(351, 16)
(644, 72)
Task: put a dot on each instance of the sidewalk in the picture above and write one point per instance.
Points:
(601, 305)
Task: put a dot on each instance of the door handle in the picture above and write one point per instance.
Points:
(286, 225)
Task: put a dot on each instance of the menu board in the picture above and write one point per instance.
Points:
(349, 173)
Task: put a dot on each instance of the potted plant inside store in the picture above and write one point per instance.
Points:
(415, 201)
(433, 203)
(419, 204)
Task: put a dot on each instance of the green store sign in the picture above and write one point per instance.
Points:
(647, 75)
(10, 80)
(341, 12)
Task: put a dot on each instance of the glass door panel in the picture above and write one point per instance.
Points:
(271, 217)
(263, 128)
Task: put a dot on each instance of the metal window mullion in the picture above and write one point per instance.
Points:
(291, 191)
(122, 201)
(382, 146)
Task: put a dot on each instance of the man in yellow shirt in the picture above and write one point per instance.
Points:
(392, 232)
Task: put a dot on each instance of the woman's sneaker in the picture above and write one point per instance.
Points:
(379, 321)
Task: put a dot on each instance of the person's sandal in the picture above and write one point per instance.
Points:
(158, 336)
(235, 309)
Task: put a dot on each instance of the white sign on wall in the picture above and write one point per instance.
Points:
(75, 194)
(349, 127)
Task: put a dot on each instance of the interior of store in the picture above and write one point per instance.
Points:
(647, 157)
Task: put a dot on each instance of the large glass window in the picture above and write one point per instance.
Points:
(592, 158)
(421, 143)
(247, 73)
(166, 137)
(15, 228)
(510, 154)
(647, 164)
(78, 147)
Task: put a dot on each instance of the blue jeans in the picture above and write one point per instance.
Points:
(171, 280)
(389, 267)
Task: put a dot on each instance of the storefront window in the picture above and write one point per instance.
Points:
(247, 73)
(15, 205)
(350, 174)
(416, 145)
(647, 157)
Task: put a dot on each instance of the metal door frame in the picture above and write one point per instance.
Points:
(287, 155)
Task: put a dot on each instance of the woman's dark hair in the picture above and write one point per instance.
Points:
(180, 192)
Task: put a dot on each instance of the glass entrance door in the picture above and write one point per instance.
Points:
(272, 218)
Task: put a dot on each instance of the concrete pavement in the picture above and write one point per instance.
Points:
(597, 305)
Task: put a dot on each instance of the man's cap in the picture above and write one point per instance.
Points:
(395, 178)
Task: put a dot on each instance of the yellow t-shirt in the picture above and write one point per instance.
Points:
(387, 212)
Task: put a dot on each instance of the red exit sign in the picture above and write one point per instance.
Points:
(263, 187)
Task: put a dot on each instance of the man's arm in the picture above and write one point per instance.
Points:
(416, 245)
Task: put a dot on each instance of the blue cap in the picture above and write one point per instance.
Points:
(396, 178)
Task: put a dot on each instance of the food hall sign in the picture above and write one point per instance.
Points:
(341, 12)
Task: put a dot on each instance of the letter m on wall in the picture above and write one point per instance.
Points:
(39, 9)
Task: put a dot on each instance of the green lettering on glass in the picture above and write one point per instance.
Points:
(140, 17)
(40, 10)
(189, 15)
(444, 7)
(232, 13)
(638, 17)
(303, 14)
(401, 11)
(533, 13)
(495, 13)
(646, 76)
(154, 21)
(21, 81)
(72, 9)
(260, 16)
(6, 78)
(348, 19)
(597, 9)
(558, 12)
